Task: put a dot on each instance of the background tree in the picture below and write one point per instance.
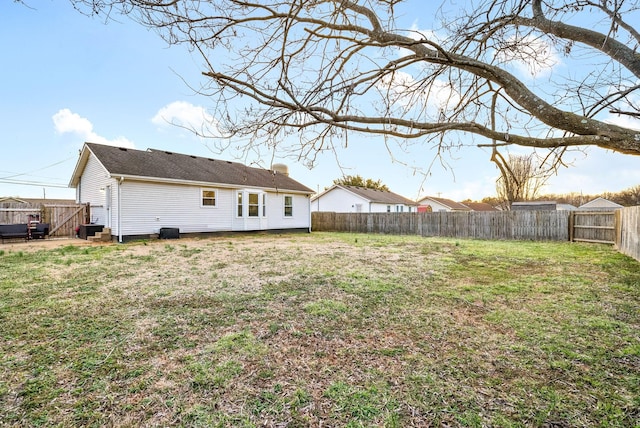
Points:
(301, 76)
(357, 180)
(521, 179)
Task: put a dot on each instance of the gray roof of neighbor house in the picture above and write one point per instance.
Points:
(480, 206)
(374, 195)
(163, 165)
(600, 203)
(446, 202)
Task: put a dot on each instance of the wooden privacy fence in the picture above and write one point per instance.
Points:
(517, 225)
(628, 231)
(62, 218)
(592, 226)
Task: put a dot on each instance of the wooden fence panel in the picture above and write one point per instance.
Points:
(62, 218)
(519, 225)
(628, 233)
(18, 212)
(593, 226)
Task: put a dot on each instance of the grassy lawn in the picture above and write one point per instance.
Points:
(320, 330)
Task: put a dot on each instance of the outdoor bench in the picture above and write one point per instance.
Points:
(13, 231)
(41, 231)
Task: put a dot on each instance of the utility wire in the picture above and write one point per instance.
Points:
(33, 183)
(36, 170)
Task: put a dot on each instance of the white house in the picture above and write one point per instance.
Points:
(600, 204)
(135, 193)
(431, 204)
(353, 199)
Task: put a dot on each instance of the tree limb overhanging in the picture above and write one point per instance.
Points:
(325, 68)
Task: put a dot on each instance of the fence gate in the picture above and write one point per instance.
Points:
(592, 226)
(64, 218)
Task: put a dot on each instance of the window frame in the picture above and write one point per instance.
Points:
(239, 204)
(253, 209)
(287, 211)
(203, 198)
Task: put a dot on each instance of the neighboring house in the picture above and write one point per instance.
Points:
(541, 206)
(353, 199)
(136, 193)
(480, 206)
(431, 204)
(600, 204)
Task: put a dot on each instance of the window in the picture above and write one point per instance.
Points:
(254, 205)
(288, 206)
(388, 208)
(208, 198)
(264, 205)
(239, 204)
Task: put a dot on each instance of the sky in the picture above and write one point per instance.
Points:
(67, 78)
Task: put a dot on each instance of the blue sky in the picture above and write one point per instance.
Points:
(67, 78)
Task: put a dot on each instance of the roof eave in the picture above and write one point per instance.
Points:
(126, 177)
(80, 165)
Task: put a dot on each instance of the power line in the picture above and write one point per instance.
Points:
(36, 170)
(33, 183)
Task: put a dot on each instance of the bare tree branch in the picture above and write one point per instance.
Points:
(307, 73)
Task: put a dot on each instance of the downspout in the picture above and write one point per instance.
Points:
(310, 216)
(119, 222)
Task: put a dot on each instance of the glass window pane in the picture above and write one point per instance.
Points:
(209, 198)
(288, 206)
(253, 205)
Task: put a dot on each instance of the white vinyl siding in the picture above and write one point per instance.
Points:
(340, 201)
(147, 207)
(301, 212)
(92, 190)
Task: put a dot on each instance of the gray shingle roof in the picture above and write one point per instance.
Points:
(446, 202)
(175, 166)
(379, 196)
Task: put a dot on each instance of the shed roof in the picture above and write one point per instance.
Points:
(159, 165)
(600, 203)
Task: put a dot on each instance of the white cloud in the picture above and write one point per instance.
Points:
(530, 55)
(186, 115)
(624, 121)
(404, 89)
(628, 104)
(67, 122)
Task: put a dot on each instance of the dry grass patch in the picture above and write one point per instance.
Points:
(320, 329)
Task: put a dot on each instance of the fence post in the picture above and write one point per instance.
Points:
(617, 228)
(572, 217)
